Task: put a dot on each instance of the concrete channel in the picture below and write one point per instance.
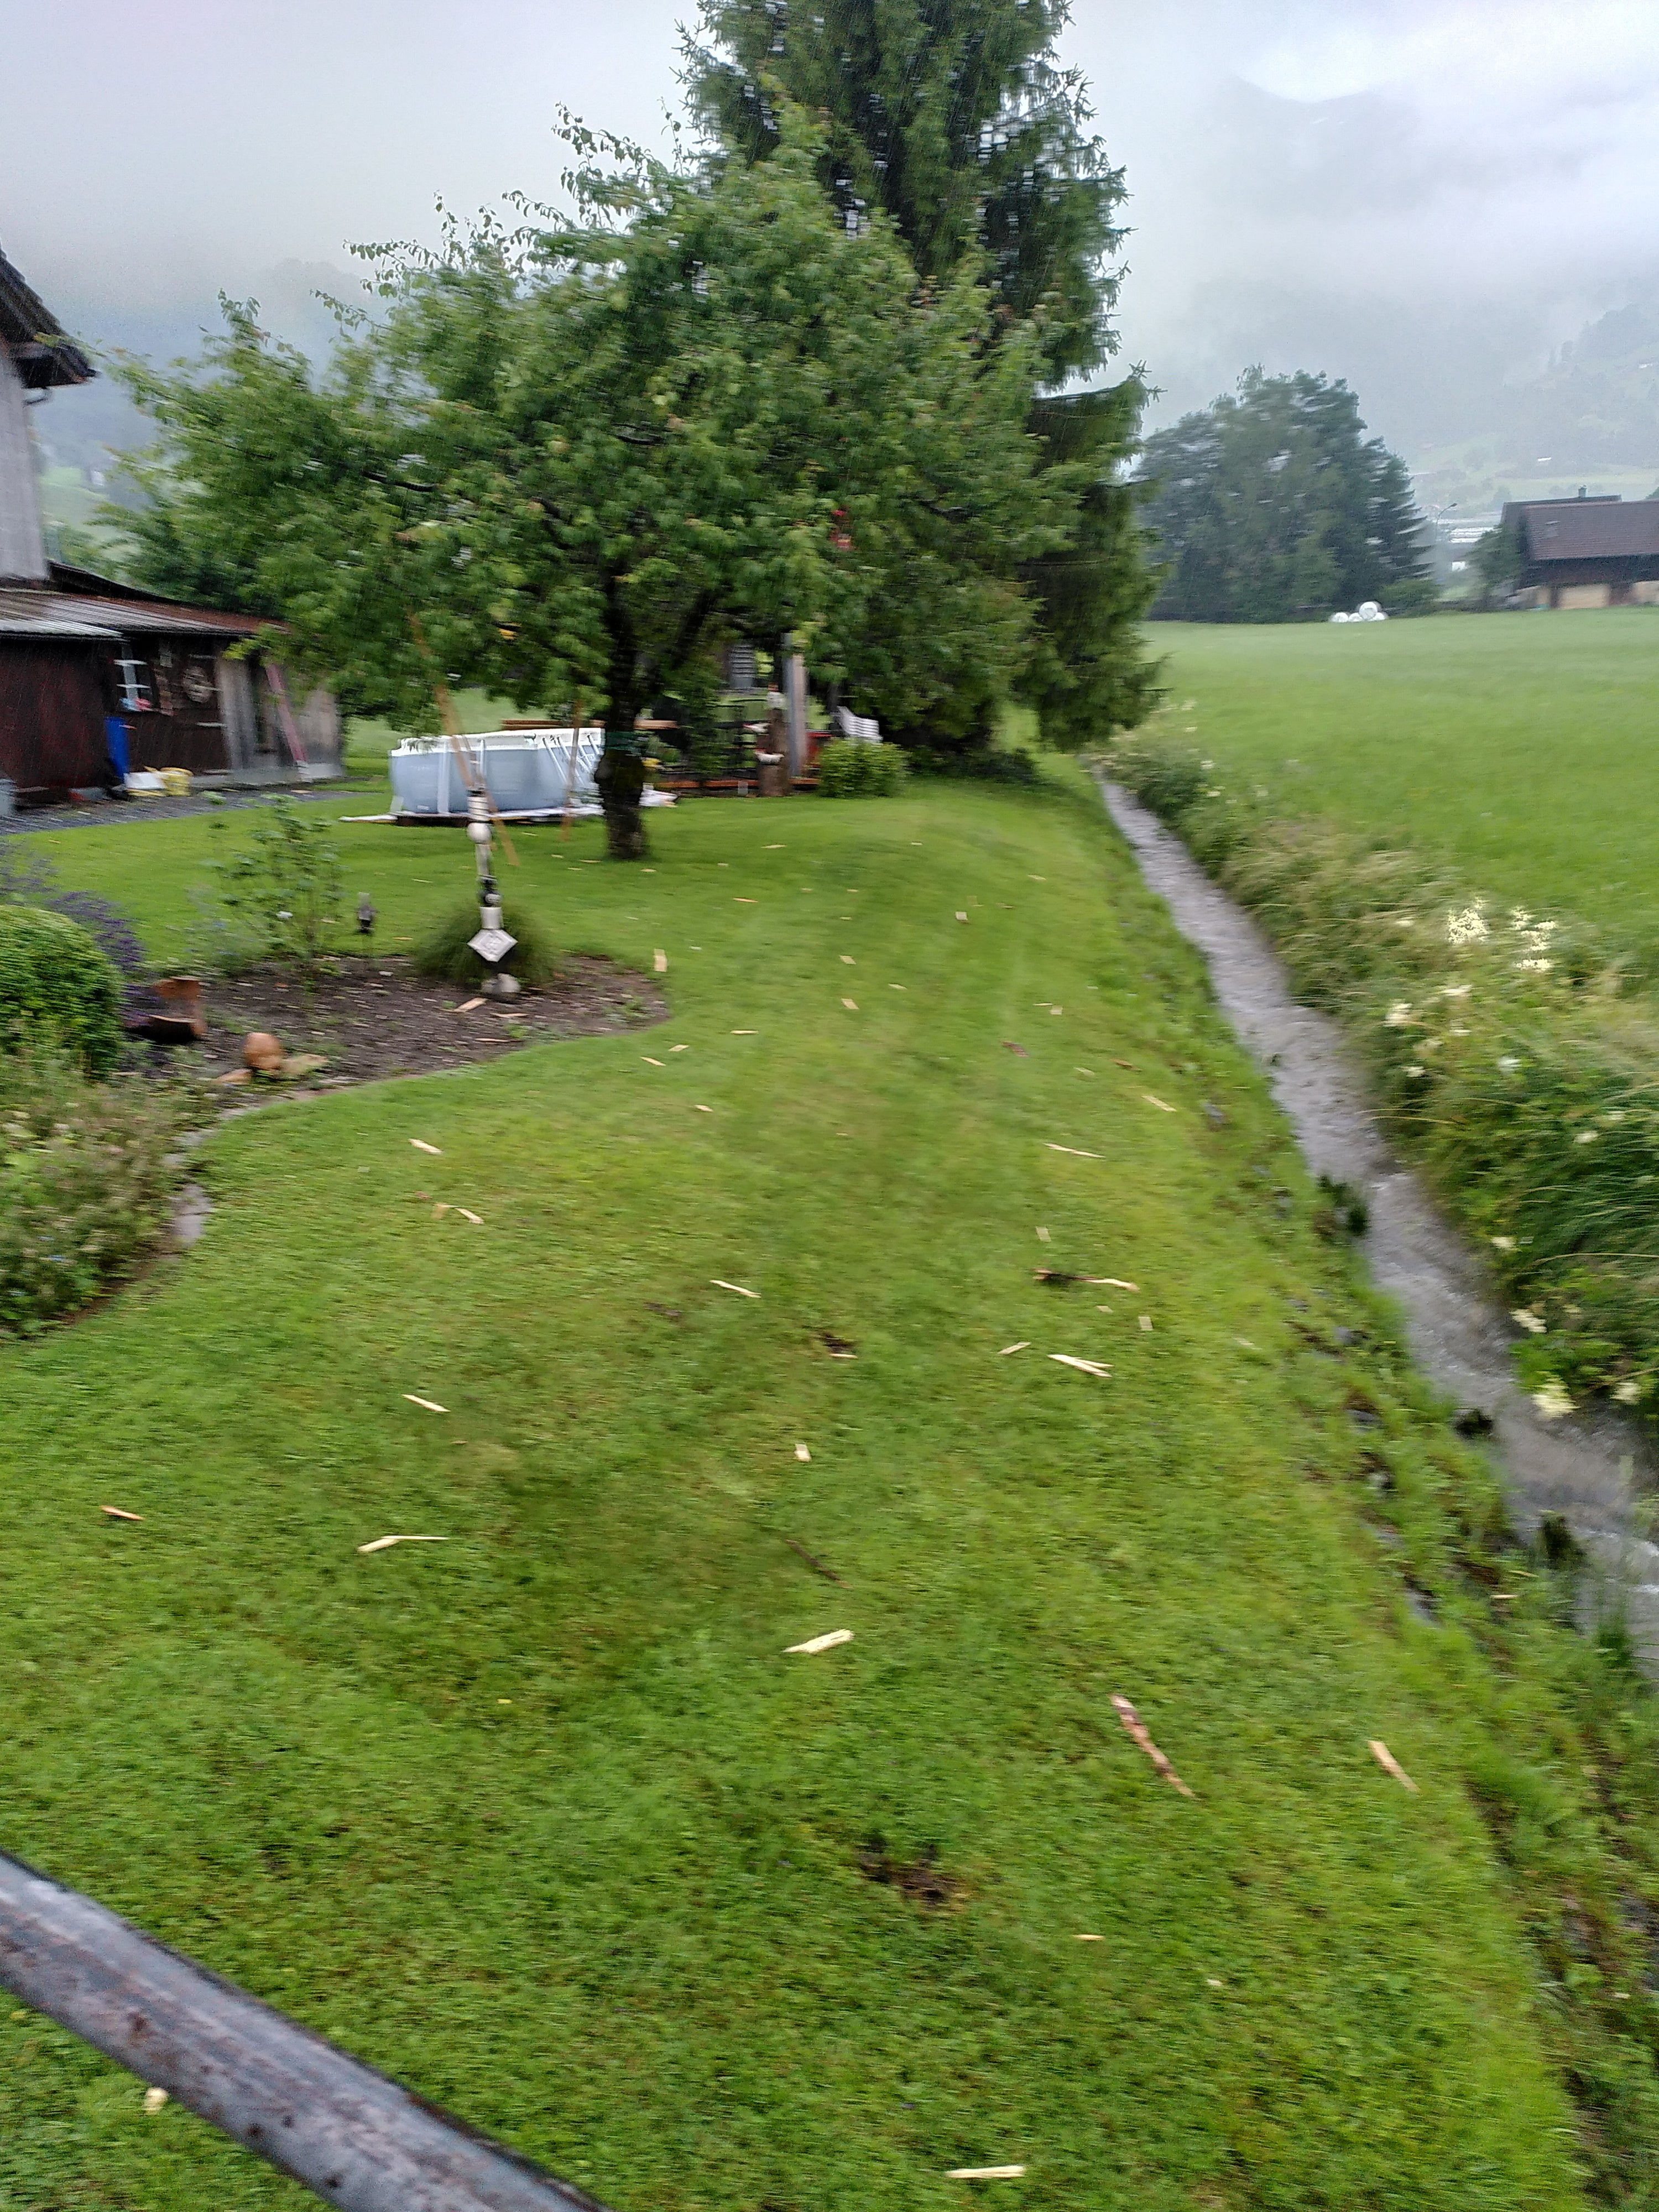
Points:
(1595, 1472)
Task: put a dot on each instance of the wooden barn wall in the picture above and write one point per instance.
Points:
(184, 724)
(52, 715)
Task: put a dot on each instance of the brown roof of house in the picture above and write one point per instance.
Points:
(1590, 529)
(37, 341)
(79, 595)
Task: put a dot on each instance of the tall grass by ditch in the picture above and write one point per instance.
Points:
(1515, 1057)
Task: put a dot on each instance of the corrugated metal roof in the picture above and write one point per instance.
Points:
(134, 616)
(27, 626)
(1592, 530)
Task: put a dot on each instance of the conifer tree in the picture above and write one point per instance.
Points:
(956, 118)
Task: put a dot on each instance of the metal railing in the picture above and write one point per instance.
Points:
(352, 2135)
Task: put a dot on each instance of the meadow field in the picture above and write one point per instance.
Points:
(544, 1819)
(1523, 748)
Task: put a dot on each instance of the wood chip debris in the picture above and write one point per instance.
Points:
(155, 2099)
(659, 961)
(467, 1214)
(801, 1452)
(737, 1287)
(1162, 1107)
(813, 1561)
(821, 1643)
(743, 901)
(1085, 1366)
(1019, 1050)
(421, 1146)
(1146, 1321)
(1073, 1150)
(851, 1005)
(427, 1402)
(384, 1543)
(746, 1032)
(702, 1110)
(649, 1062)
(116, 1513)
(1114, 1283)
(1024, 1345)
(470, 1006)
(1088, 1939)
(1043, 1236)
(679, 1047)
(441, 1208)
(1134, 1726)
(1389, 1765)
(847, 961)
(985, 2173)
(961, 916)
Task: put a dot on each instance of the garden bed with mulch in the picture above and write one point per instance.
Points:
(376, 1017)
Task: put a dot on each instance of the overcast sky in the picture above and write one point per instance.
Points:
(1417, 194)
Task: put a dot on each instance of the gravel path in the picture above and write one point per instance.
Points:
(167, 809)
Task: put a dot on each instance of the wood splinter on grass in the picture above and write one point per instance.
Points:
(737, 1287)
(384, 1543)
(1135, 1727)
(801, 1452)
(649, 1062)
(441, 1208)
(421, 1146)
(985, 2173)
(1073, 1150)
(1024, 1345)
(659, 961)
(1085, 1367)
(851, 1005)
(116, 1513)
(1159, 1102)
(820, 1642)
(427, 1402)
(467, 1214)
(1389, 1765)
(470, 1006)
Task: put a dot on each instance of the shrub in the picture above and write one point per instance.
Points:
(54, 980)
(86, 1179)
(848, 769)
(445, 952)
(281, 896)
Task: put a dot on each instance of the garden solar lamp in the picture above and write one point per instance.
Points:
(492, 943)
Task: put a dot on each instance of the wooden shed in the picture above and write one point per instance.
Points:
(97, 676)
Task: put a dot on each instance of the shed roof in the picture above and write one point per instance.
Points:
(37, 341)
(31, 626)
(1589, 529)
(79, 595)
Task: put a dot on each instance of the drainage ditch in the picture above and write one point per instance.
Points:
(1594, 1472)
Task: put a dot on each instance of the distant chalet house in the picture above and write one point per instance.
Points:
(91, 669)
(1587, 552)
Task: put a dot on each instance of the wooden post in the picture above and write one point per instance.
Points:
(794, 690)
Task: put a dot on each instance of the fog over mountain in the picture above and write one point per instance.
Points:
(1426, 197)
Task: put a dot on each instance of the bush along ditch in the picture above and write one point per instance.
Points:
(1513, 1056)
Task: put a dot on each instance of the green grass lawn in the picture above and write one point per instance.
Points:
(1525, 748)
(543, 1820)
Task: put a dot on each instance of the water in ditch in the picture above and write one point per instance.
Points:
(1593, 1471)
